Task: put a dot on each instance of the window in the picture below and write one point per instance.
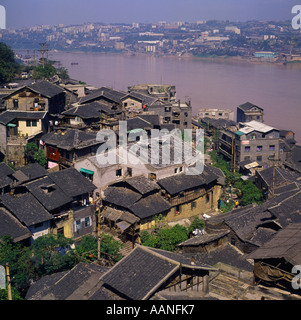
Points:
(177, 210)
(259, 158)
(193, 205)
(247, 149)
(247, 158)
(78, 225)
(118, 173)
(129, 171)
(181, 169)
(16, 103)
(176, 170)
(252, 137)
(272, 147)
(259, 148)
(263, 136)
(233, 241)
(220, 114)
(87, 222)
(34, 123)
(28, 123)
(207, 198)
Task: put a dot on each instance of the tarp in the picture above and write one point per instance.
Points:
(86, 171)
(269, 273)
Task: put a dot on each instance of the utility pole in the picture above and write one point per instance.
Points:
(43, 60)
(8, 282)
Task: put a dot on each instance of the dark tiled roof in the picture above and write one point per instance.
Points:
(121, 197)
(138, 123)
(177, 183)
(227, 254)
(138, 275)
(285, 244)
(89, 111)
(154, 119)
(70, 139)
(72, 182)
(9, 115)
(288, 210)
(261, 236)
(142, 184)
(5, 173)
(33, 171)
(48, 193)
(144, 98)
(46, 88)
(80, 283)
(248, 105)
(203, 239)
(26, 208)
(281, 176)
(150, 206)
(11, 226)
(110, 94)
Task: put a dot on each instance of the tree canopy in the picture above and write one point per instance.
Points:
(8, 65)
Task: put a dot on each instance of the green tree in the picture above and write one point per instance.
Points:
(34, 154)
(40, 157)
(163, 236)
(15, 294)
(19, 259)
(51, 253)
(30, 150)
(109, 248)
(44, 73)
(8, 65)
(62, 73)
(197, 223)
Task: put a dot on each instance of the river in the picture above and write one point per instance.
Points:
(208, 83)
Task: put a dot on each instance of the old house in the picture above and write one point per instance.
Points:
(10, 225)
(248, 111)
(135, 103)
(253, 141)
(39, 96)
(251, 226)
(138, 196)
(27, 209)
(127, 162)
(67, 196)
(204, 242)
(95, 115)
(147, 271)
(17, 128)
(274, 260)
(191, 195)
(64, 147)
(79, 283)
(272, 180)
(108, 96)
(6, 179)
(166, 93)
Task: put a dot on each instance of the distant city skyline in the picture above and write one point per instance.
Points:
(27, 13)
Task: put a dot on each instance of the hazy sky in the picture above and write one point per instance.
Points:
(24, 13)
